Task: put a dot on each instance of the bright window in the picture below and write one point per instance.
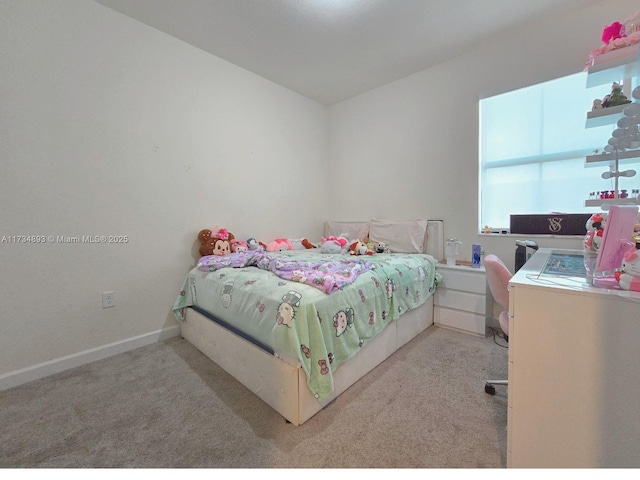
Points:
(533, 144)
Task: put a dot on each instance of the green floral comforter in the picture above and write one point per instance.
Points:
(300, 321)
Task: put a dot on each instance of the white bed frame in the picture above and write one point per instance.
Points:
(283, 385)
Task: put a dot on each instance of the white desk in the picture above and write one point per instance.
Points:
(574, 371)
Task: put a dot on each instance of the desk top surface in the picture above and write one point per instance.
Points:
(559, 268)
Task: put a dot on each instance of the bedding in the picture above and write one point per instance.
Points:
(288, 315)
(326, 275)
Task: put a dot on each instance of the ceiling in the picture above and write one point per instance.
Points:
(331, 50)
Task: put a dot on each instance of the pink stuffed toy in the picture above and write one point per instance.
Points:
(333, 245)
(239, 246)
(279, 245)
(629, 276)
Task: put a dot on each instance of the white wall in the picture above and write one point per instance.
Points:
(109, 127)
(414, 142)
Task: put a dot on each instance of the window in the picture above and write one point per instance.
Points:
(533, 144)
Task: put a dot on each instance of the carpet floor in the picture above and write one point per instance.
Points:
(168, 406)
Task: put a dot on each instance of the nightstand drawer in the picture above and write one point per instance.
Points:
(468, 302)
(459, 320)
(467, 280)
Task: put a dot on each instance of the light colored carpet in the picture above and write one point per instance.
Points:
(167, 405)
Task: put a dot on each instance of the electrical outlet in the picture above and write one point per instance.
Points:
(108, 299)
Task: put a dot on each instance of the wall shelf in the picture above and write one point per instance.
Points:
(628, 156)
(604, 116)
(613, 66)
(611, 201)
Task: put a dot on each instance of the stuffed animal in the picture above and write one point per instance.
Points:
(215, 242)
(629, 275)
(359, 248)
(254, 244)
(206, 242)
(302, 244)
(239, 246)
(279, 245)
(333, 245)
(382, 247)
(595, 229)
(307, 244)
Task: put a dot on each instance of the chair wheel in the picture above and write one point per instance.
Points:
(490, 389)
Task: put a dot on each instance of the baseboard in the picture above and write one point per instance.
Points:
(36, 372)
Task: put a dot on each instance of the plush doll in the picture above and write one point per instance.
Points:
(307, 244)
(206, 242)
(382, 247)
(254, 244)
(222, 243)
(595, 229)
(333, 245)
(301, 244)
(239, 246)
(359, 248)
(629, 275)
(215, 242)
(279, 245)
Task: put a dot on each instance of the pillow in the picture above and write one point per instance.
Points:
(404, 236)
(351, 230)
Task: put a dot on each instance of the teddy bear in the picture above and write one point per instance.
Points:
(629, 275)
(206, 242)
(215, 242)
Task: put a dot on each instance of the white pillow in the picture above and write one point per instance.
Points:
(351, 230)
(403, 236)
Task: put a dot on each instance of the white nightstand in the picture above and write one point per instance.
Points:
(462, 299)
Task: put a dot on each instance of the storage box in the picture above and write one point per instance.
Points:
(550, 224)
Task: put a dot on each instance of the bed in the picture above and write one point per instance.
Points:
(299, 327)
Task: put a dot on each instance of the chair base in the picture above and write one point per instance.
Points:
(490, 388)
